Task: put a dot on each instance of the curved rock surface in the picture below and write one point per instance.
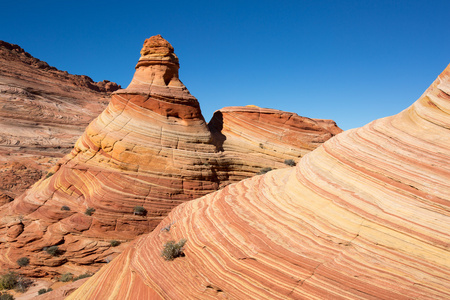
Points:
(43, 111)
(148, 151)
(364, 216)
(252, 138)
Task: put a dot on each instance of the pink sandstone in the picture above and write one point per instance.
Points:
(150, 148)
(364, 216)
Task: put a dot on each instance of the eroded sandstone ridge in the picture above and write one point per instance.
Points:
(43, 111)
(148, 151)
(364, 216)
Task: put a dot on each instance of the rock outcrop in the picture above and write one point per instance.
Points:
(253, 139)
(148, 151)
(364, 216)
(43, 111)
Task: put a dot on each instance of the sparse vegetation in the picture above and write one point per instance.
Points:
(290, 162)
(114, 243)
(53, 250)
(23, 261)
(14, 281)
(264, 170)
(89, 211)
(43, 291)
(6, 296)
(22, 284)
(65, 207)
(49, 174)
(66, 277)
(261, 145)
(140, 211)
(8, 281)
(173, 250)
(85, 275)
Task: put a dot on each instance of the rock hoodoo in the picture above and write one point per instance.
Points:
(364, 216)
(147, 152)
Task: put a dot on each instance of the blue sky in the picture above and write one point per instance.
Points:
(350, 61)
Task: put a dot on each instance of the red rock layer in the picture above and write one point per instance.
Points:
(149, 148)
(43, 112)
(364, 216)
(252, 138)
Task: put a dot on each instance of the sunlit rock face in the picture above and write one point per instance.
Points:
(43, 111)
(147, 152)
(252, 138)
(364, 216)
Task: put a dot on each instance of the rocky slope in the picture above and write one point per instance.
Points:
(364, 216)
(148, 151)
(43, 111)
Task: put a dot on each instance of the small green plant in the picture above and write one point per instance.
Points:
(53, 250)
(114, 243)
(49, 174)
(66, 277)
(140, 211)
(6, 296)
(65, 207)
(43, 291)
(261, 145)
(8, 281)
(89, 211)
(23, 261)
(85, 275)
(264, 170)
(290, 162)
(173, 250)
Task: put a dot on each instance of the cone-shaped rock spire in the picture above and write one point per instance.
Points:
(158, 66)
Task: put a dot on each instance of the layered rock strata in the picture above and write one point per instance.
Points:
(253, 138)
(43, 111)
(364, 216)
(148, 151)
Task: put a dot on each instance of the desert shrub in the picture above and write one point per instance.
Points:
(139, 210)
(89, 211)
(22, 284)
(53, 250)
(49, 174)
(43, 291)
(264, 170)
(173, 250)
(8, 281)
(114, 243)
(261, 145)
(290, 162)
(23, 261)
(85, 275)
(66, 277)
(6, 296)
(65, 207)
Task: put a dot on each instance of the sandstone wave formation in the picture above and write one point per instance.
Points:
(43, 111)
(364, 216)
(147, 152)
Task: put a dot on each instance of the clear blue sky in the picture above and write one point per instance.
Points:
(350, 61)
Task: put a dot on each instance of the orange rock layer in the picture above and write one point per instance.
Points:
(149, 148)
(43, 112)
(364, 216)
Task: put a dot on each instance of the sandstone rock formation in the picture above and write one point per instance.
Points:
(43, 111)
(253, 138)
(148, 151)
(364, 216)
